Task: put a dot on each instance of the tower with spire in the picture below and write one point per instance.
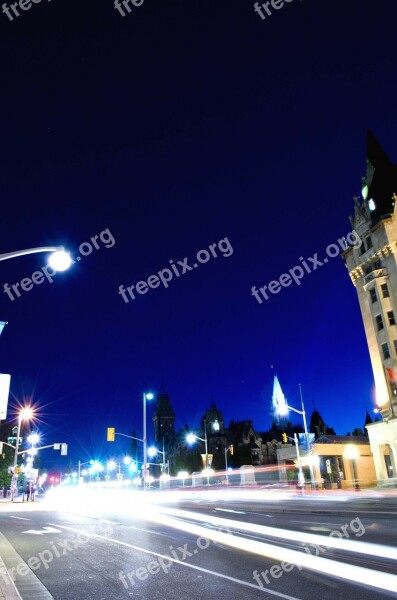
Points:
(371, 259)
(279, 403)
(164, 420)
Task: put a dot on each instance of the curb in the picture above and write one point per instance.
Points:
(8, 591)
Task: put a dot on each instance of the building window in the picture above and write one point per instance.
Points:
(377, 264)
(362, 248)
(390, 315)
(393, 387)
(385, 290)
(385, 350)
(373, 295)
(395, 345)
(379, 322)
(368, 270)
(369, 242)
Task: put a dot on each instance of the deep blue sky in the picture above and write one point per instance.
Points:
(183, 123)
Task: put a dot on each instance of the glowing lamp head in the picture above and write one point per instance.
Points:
(190, 438)
(127, 460)
(149, 396)
(152, 451)
(111, 465)
(60, 260)
(26, 414)
(351, 452)
(34, 438)
(283, 410)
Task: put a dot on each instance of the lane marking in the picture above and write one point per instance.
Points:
(20, 518)
(179, 562)
(147, 530)
(42, 531)
(230, 510)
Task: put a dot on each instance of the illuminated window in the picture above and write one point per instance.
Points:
(373, 295)
(379, 322)
(390, 315)
(385, 290)
(386, 352)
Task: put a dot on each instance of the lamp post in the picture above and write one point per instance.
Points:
(303, 413)
(25, 414)
(152, 451)
(352, 454)
(191, 438)
(145, 397)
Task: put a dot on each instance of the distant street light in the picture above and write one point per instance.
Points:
(351, 453)
(34, 439)
(152, 452)
(144, 473)
(284, 411)
(24, 415)
(191, 438)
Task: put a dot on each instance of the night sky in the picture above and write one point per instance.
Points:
(184, 123)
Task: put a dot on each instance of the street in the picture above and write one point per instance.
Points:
(108, 544)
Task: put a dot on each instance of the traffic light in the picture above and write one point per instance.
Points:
(284, 437)
(64, 449)
(231, 450)
(111, 434)
(1, 447)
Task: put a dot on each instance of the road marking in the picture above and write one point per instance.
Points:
(239, 512)
(21, 518)
(148, 531)
(185, 564)
(43, 531)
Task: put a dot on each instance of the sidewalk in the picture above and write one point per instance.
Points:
(8, 591)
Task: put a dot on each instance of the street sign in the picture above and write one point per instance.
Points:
(5, 381)
(328, 466)
(57, 446)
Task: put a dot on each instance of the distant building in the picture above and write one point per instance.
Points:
(372, 264)
(164, 421)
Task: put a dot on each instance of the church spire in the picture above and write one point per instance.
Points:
(279, 404)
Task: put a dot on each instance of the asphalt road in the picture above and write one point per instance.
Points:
(106, 545)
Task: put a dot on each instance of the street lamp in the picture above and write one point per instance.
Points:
(145, 397)
(24, 415)
(351, 453)
(191, 438)
(34, 439)
(152, 451)
(284, 411)
(110, 466)
(59, 260)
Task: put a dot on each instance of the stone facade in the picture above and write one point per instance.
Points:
(372, 265)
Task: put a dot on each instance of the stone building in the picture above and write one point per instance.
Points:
(372, 265)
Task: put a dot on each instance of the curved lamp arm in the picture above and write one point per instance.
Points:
(30, 251)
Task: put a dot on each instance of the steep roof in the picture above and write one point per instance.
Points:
(163, 407)
(381, 179)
